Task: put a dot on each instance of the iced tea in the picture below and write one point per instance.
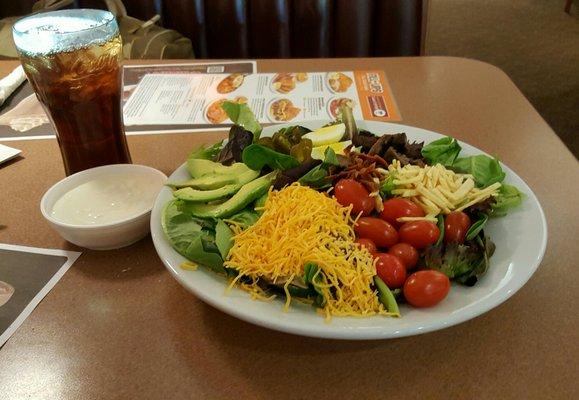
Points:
(77, 76)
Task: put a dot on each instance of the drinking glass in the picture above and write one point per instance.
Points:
(73, 60)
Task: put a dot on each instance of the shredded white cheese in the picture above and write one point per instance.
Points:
(436, 189)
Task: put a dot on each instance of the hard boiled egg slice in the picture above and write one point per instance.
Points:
(326, 135)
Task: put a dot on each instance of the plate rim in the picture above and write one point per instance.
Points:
(360, 333)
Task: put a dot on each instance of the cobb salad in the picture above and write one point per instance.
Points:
(340, 218)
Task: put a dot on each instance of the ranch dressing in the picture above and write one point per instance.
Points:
(107, 199)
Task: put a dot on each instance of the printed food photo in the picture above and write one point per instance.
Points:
(230, 83)
(214, 112)
(282, 110)
(285, 82)
(339, 82)
(336, 104)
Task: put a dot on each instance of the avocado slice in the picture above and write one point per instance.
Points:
(199, 167)
(190, 194)
(210, 182)
(248, 193)
(207, 182)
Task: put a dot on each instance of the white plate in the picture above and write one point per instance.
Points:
(520, 237)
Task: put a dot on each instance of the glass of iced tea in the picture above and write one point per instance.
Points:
(73, 60)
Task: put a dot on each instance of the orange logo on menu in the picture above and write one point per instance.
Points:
(376, 100)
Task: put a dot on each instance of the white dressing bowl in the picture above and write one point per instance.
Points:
(108, 235)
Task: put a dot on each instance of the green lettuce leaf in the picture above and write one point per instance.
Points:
(317, 177)
(241, 114)
(239, 139)
(179, 228)
(441, 229)
(247, 217)
(191, 237)
(464, 263)
(314, 278)
(484, 169)
(388, 186)
(199, 253)
(509, 197)
(477, 226)
(256, 156)
(452, 259)
(206, 153)
(488, 249)
(386, 297)
(223, 238)
(442, 151)
(330, 157)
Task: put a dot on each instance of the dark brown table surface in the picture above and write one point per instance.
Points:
(119, 326)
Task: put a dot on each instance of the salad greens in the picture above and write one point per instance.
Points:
(463, 263)
(206, 153)
(308, 286)
(239, 139)
(246, 217)
(314, 278)
(440, 225)
(206, 241)
(330, 157)
(241, 115)
(230, 184)
(484, 169)
(386, 296)
(246, 130)
(257, 156)
(291, 175)
(388, 186)
(180, 228)
(509, 197)
(191, 237)
(443, 151)
(318, 177)
(223, 238)
(200, 250)
(477, 226)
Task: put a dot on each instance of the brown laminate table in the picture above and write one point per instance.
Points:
(119, 326)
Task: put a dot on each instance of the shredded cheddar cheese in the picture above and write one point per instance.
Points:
(189, 266)
(437, 189)
(298, 226)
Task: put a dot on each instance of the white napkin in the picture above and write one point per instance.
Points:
(10, 83)
(7, 153)
(25, 115)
